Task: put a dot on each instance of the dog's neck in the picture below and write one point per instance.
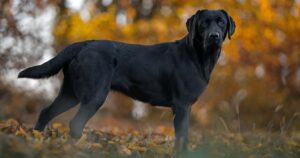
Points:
(205, 59)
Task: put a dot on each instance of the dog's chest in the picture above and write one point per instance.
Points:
(187, 84)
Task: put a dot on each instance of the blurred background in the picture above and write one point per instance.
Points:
(255, 85)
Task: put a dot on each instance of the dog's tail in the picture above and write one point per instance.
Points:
(53, 66)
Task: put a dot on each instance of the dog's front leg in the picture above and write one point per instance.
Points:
(181, 125)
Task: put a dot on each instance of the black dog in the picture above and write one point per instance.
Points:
(170, 74)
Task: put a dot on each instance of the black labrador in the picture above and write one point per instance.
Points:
(172, 74)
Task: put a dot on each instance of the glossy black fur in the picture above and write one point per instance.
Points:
(172, 74)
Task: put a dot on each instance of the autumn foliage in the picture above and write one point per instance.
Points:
(250, 108)
(19, 141)
(259, 68)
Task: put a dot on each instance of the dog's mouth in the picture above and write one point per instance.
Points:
(214, 43)
(209, 43)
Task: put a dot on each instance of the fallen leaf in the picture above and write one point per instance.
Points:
(21, 132)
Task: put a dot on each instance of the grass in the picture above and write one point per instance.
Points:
(17, 140)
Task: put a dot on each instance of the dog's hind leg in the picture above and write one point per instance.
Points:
(88, 109)
(85, 112)
(95, 77)
(63, 102)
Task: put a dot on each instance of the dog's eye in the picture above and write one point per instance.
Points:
(221, 22)
(204, 23)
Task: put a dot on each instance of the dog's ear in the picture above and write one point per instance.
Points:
(191, 25)
(230, 25)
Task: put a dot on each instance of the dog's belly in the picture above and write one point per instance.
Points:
(166, 92)
(152, 93)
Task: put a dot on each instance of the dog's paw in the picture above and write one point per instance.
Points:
(75, 132)
(39, 127)
(76, 135)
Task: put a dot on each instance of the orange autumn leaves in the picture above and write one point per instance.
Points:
(262, 58)
(18, 139)
(55, 140)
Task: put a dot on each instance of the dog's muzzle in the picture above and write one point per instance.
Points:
(214, 35)
(214, 39)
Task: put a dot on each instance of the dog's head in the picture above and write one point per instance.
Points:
(209, 28)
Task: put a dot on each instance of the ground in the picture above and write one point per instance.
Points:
(17, 140)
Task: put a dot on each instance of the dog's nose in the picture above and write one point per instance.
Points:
(214, 35)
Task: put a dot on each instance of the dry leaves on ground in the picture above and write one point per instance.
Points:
(17, 140)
